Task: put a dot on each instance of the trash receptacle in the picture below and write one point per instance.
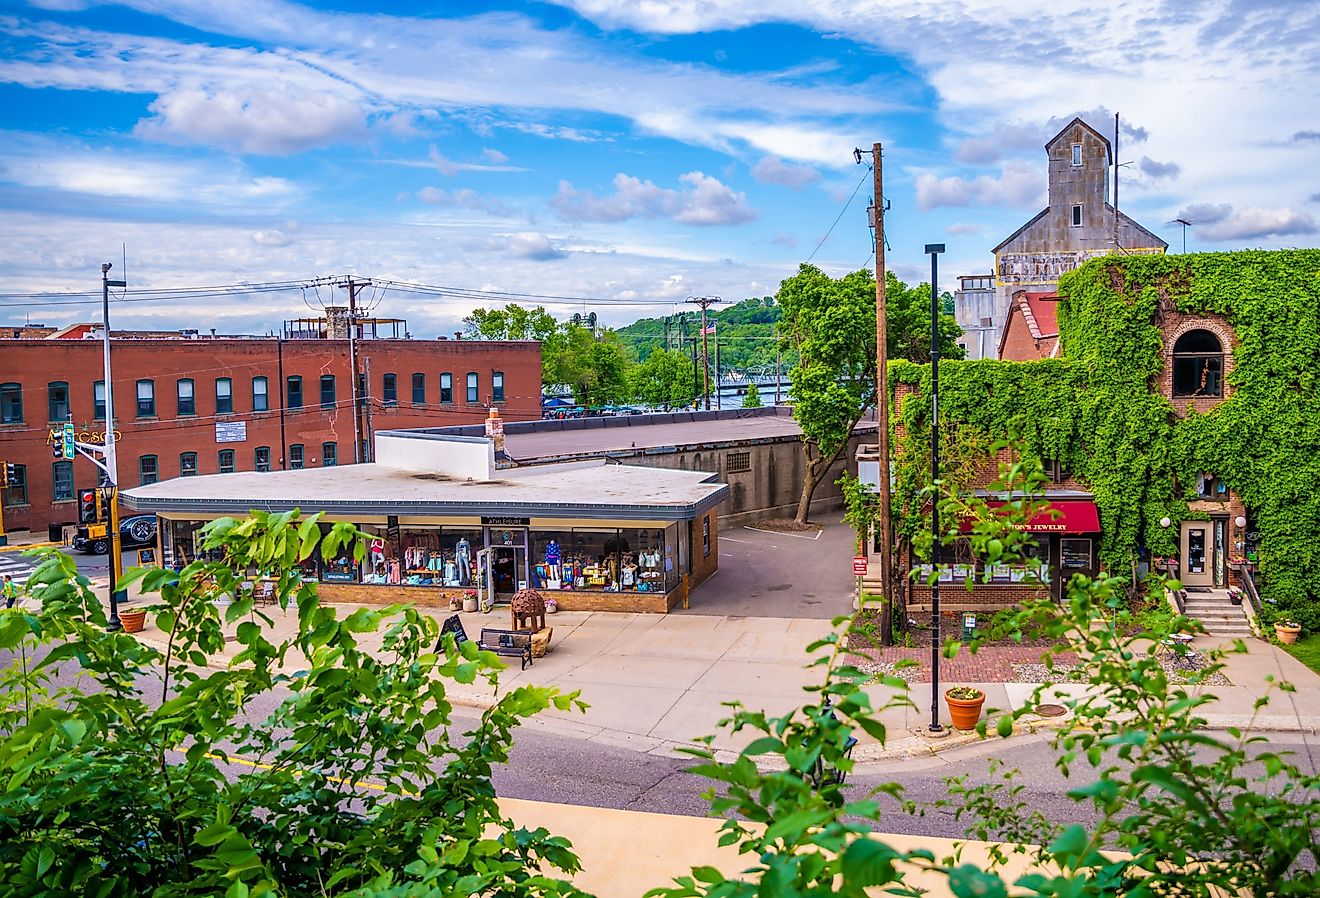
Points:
(55, 533)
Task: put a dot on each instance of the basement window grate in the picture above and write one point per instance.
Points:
(737, 462)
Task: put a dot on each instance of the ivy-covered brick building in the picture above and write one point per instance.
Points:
(1184, 392)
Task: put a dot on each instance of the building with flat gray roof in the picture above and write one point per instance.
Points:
(757, 452)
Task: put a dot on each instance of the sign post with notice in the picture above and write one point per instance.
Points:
(859, 571)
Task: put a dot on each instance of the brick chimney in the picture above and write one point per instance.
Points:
(495, 430)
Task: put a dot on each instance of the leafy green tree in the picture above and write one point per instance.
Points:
(240, 780)
(830, 324)
(664, 379)
(752, 399)
(513, 322)
(908, 317)
(595, 366)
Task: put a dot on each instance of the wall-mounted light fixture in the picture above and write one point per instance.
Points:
(1165, 522)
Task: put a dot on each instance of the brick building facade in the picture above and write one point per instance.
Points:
(207, 405)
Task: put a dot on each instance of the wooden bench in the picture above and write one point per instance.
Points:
(511, 643)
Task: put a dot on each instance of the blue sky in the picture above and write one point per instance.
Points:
(635, 152)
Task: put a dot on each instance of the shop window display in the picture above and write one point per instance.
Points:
(631, 560)
(342, 568)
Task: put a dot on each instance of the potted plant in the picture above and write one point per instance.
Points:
(551, 606)
(1287, 630)
(455, 603)
(964, 706)
(1235, 595)
(470, 600)
(134, 620)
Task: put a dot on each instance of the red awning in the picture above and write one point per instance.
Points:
(1060, 516)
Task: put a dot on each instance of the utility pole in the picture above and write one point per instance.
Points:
(284, 445)
(353, 365)
(696, 380)
(705, 302)
(111, 461)
(779, 360)
(882, 403)
(719, 396)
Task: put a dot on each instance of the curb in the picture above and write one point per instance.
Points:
(23, 547)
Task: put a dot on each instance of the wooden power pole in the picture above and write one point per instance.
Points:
(885, 531)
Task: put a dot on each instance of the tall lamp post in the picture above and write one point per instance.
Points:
(111, 461)
(934, 249)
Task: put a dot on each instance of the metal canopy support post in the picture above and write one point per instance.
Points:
(934, 249)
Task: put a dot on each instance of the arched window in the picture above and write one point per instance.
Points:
(1198, 365)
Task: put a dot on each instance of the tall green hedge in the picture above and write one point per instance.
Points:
(1098, 411)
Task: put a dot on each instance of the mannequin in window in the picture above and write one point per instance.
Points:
(463, 558)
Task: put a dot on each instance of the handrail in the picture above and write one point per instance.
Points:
(1179, 595)
(1249, 586)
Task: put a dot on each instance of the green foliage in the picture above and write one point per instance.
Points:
(595, 366)
(830, 323)
(1178, 810)
(907, 314)
(664, 380)
(753, 397)
(513, 322)
(746, 332)
(1096, 413)
(185, 772)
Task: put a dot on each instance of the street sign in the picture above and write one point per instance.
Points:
(859, 566)
(68, 439)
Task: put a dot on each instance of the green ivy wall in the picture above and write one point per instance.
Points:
(1099, 409)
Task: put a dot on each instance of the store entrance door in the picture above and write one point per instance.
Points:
(506, 567)
(1197, 550)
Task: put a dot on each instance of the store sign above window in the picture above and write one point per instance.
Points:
(505, 522)
(1059, 516)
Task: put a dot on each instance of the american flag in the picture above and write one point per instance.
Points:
(710, 328)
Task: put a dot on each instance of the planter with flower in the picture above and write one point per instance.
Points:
(470, 600)
(1235, 594)
(1287, 630)
(964, 706)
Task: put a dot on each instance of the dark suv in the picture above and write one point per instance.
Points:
(134, 532)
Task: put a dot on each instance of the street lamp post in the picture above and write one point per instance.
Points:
(111, 464)
(934, 249)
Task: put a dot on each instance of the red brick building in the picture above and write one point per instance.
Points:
(1032, 329)
(188, 405)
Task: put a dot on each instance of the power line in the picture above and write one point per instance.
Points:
(840, 215)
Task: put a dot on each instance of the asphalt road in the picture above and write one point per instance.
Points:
(548, 766)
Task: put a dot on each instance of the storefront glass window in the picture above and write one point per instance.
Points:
(341, 568)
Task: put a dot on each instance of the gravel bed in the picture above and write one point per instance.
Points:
(908, 674)
(1180, 671)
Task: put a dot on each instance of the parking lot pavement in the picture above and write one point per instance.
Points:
(768, 574)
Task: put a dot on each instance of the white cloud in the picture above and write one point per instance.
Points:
(377, 66)
(702, 200)
(536, 247)
(789, 241)
(38, 162)
(962, 228)
(255, 118)
(463, 198)
(1018, 185)
(494, 155)
(271, 237)
(446, 166)
(1221, 223)
(773, 170)
(1158, 170)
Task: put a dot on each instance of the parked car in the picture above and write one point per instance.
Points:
(134, 532)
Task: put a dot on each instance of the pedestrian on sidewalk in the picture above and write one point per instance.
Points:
(9, 591)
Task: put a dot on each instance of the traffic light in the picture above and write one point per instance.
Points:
(89, 507)
(11, 475)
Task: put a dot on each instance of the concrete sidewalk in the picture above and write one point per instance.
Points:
(656, 683)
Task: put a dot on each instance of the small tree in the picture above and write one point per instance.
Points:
(752, 399)
(240, 779)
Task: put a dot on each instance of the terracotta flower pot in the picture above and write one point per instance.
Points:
(964, 713)
(133, 621)
(469, 605)
(1287, 635)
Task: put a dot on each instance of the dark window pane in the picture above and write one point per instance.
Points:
(147, 470)
(391, 389)
(329, 455)
(296, 456)
(11, 404)
(419, 389)
(58, 393)
(187, 401)
(62, 478)
(293, 389)
(224, 395)
(327, 391)
(226, 458)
